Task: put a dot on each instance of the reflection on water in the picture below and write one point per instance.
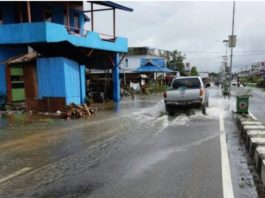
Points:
(147, 113)
(3, 121)
(117, 106)
(70, 147)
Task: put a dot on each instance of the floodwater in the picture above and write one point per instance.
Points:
(123, 141)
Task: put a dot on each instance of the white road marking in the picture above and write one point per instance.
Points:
(252, 116)
(3, 179)
(226, 172)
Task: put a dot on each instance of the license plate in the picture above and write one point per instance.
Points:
(182, 90)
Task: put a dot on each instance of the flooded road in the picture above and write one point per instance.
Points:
(128, 150)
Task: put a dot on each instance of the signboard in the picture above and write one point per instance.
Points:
(232, 40)
(243, 105)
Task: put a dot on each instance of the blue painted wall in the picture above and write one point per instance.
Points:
(49, 32)
(39, 31)
(83, 83)
(72, 81)
(59, 77)
(10, 11)
(6, 53)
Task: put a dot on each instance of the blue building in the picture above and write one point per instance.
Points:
(45, 50)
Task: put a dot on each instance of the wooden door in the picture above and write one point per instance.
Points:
(30, 81)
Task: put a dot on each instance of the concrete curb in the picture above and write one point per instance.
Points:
(253, 133)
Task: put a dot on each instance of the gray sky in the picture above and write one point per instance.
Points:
(197, 29)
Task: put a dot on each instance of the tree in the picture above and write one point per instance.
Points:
(194, 71)
(213, 74)
(176, 62)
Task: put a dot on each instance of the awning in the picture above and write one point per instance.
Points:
(151, 68)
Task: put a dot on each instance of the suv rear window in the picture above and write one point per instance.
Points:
(191, 83)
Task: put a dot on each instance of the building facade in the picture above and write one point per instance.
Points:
(45, 50)
(137, 55)
(255, 70)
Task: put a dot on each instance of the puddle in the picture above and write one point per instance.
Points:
(147, 162)
(3, 122)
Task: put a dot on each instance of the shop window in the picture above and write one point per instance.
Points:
(17, 84)
(47, 14)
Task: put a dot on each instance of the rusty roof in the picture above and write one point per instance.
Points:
(25, 58)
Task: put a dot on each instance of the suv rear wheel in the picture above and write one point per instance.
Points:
(204, 109)
(169, 110)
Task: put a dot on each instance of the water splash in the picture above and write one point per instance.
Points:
(156, 116)
(151, 113)
(219, 107)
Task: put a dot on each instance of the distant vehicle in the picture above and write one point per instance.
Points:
(217, 83)
(186, 91)
(234, 82)
(206, 82)
(205, 78)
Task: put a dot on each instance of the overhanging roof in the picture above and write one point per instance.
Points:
(93, 58)
(111, 5)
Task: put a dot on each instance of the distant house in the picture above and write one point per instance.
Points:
(45, 50)
(256, 70)
(138, 56)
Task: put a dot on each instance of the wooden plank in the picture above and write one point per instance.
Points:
(29, 11)
(92, 18)
(20, 12)
(67, 16)
(30, 81)
(114, 23)
(8, 84)
(55, 103)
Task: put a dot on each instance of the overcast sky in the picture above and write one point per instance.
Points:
(197, 29)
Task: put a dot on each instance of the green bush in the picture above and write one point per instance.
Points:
(261, 83)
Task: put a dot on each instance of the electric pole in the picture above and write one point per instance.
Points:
(232, 44)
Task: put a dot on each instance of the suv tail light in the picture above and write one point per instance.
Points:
(201, 91)
(165, 94)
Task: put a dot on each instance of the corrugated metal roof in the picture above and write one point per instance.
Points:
(155, 61)
(21, 58)
(112, 5)
(151, 68)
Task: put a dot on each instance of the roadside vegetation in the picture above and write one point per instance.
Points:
(254, 81)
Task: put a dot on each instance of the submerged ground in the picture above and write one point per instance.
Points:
(129, 150)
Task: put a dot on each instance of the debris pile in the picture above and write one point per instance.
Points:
(73, 111)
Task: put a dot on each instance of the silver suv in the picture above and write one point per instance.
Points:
(186, 91)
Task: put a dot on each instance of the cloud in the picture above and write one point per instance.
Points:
(196, 26)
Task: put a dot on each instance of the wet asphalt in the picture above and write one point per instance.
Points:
(257, 103)
(129, 150)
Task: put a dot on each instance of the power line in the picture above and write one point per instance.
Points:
(218, 57)
(221, 52)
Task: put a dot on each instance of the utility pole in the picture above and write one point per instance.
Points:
(232, 44)
(125, 65)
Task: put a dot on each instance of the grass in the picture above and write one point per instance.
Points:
(251, 84)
